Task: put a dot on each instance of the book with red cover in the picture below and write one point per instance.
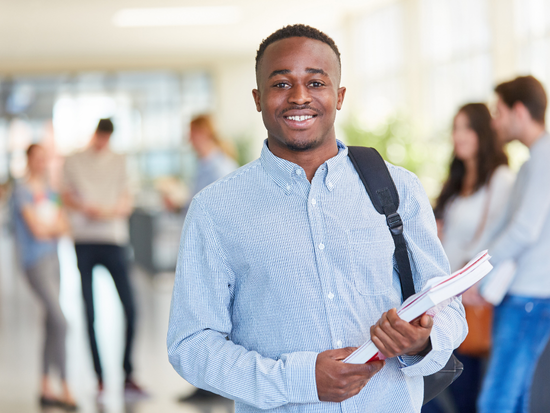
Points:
(436, 295)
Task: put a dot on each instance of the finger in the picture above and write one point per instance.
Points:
(398, 330)
(383, 342)
(426, 321)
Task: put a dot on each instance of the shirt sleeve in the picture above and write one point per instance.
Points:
(428, 260)
(22, 197)
(525, 227)
(199, 332)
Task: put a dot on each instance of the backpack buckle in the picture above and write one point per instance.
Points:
(395, 223)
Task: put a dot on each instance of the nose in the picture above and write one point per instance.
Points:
(299, 95)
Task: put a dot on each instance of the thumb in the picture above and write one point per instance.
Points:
(426, 321)
(342, 353)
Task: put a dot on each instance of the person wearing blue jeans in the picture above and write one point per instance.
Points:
(522, 321)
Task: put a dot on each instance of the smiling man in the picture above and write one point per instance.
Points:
(285, 266)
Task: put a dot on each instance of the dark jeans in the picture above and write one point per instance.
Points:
(112, 257)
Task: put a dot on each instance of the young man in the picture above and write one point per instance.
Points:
(96, 193)
(522, 321)
(285, 264)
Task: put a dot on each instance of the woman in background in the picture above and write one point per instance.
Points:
(470, 211)
(216, 158)
(39, 222)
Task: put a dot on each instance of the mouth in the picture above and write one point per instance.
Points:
(299, 121)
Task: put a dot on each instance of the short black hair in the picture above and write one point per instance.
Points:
(296, 30)
(527, 90)
(105, 125)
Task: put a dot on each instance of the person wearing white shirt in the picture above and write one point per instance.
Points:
(471, 210)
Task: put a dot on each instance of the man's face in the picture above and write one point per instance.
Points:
(505, 122)
(298, 93)
(100, 141)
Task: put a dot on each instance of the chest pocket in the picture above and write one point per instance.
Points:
(372, 251)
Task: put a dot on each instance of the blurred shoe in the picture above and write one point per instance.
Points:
(100, 398)
(200, 396)
(133, 392)
(48, 401)
(67, 406)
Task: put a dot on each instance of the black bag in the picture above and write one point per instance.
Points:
(382, 191)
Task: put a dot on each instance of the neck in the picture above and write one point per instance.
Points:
(205, 149)
(309, 160)
(35, 178)
(533, 132)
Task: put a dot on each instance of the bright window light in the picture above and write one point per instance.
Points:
(177, 16)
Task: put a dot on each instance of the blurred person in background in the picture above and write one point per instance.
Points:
(39, 222)
(470, 211)
(216, 159)
(96, 191)
(522, 320)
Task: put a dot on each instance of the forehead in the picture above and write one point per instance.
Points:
(297, 54)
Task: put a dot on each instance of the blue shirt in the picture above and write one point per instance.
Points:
(273, 270)
(525, 237)
(30, 249)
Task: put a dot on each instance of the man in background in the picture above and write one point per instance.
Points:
(96, 192)
(522, 321)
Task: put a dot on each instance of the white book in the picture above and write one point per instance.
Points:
(436, 295)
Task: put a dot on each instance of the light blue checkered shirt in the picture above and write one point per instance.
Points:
(273, 270)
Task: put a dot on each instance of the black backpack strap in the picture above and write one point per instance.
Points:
(379, 184)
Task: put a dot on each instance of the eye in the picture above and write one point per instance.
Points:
(281, 85)
(316, 84)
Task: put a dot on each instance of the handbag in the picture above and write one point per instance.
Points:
(384, 196)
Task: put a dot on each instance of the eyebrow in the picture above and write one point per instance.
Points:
(308, 70)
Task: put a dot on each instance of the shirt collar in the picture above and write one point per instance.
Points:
(284, 172)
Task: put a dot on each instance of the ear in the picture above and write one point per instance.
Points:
(341, 94)
(256, 96)
(521, 112)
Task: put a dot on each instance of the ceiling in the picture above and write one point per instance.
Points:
(53, 35)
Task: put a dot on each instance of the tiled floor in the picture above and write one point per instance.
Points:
(21, 336)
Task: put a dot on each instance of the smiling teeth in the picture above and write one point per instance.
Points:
(300, 118)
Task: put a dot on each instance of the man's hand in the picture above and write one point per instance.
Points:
(395, 337)
(337, 381)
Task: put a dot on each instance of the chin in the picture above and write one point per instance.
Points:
(301, 145)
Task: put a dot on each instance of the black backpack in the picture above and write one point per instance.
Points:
(379, 184)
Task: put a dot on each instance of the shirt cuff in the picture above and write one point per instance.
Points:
(432, 362)
(301, 383)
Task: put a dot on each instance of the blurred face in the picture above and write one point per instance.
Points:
(37, 161)
(465, 140)
(505, 122)
(298, 93)
(198, 136)
(100, 141)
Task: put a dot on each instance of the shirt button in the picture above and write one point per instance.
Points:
(288, 187)
(329, 184)
(330, 296)
(321, 246)
(298, 172)
(313, 201)
(339, 343)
